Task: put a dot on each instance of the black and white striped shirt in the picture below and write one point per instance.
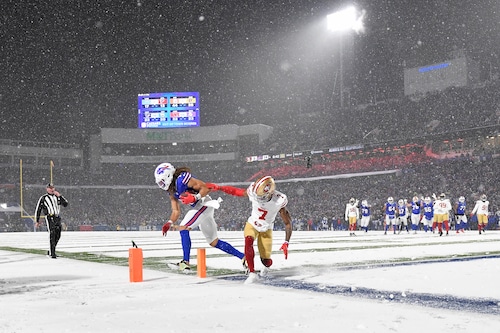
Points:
(50, 205)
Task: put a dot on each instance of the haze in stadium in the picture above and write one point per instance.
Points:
(407, 106)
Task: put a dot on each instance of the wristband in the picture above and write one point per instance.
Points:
(198, 196)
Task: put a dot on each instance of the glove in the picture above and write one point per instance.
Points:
(284, 248)
(166, 227)
(213, 187)
(188, 198)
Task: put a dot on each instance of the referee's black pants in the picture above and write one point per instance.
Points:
(54, 223)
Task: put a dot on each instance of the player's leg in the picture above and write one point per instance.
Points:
(250, 234)
(209, 229)
(191, 220)
(265, 246)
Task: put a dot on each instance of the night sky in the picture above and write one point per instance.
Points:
(70, 68)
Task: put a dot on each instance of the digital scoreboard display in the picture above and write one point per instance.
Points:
(169, 110)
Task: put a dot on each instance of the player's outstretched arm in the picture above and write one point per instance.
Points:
(231, 190)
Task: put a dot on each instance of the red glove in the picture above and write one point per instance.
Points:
(213, 187)
(284, 248)
(188, 198)
(166, 227)
(236, 191)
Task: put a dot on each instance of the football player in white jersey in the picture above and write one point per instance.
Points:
(183, 187)
(267, 202)
(442, 207)
(481, 209)
(351, 215)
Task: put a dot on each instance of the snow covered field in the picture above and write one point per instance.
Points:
(330, 282)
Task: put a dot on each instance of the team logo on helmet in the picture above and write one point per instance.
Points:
(164, 173)
(264, 188)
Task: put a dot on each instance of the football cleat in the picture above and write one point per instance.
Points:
(264, 271)
(183, 265)
(252, 278)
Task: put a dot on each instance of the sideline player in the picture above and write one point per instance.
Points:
(365, 215)
(442, 207)
(352, 215)
(182, 186)
(428, 216)
(460, 215)
(390, 214)
(416, 207)
(402, 210)
(267, 202)
(481, 208)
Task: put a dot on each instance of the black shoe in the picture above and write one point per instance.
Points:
(183, 265)
(53, 257)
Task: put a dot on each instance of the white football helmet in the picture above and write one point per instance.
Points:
(415, 199)
(264, 188)
(364, 203)
(427, 200)
(390, 199)
(442, 195)
(164, 173)
(352, 201)
(401, 202)
(461, 199)
(483, 197)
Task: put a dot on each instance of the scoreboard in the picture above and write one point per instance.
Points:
(457, 72)
(169, 110)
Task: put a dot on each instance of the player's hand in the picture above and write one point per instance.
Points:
(284, 248)
(213, 187)
(166, 227)
(188, 198)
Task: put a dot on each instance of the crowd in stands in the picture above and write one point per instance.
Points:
(125, 196)
(310, 199)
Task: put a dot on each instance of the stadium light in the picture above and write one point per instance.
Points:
(344, 21)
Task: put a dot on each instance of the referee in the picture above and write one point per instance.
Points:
(50, 203)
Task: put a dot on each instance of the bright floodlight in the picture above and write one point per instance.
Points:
(344, 20)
